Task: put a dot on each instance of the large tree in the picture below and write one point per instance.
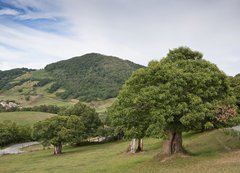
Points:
(59, 130)
(181, 92)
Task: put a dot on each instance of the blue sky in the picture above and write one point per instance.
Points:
(34, 33)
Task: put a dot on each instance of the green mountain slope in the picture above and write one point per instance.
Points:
(91, 77)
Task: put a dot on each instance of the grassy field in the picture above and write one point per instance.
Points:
(24, 118)
(211, 152)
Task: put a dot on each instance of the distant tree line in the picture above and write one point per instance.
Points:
(42, 108)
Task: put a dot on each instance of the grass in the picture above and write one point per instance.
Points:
(211, 152)
(24, 118)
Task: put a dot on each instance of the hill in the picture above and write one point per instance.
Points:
(210, 152)
(91, 77)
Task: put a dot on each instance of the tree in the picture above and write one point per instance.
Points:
(58, 130)
(129, 113)
(235, 84)
(179, 93)
(88, 116)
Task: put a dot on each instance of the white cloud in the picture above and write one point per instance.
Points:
(136, 30)
(7, 11)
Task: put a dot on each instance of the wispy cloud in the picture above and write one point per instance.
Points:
(8, 11)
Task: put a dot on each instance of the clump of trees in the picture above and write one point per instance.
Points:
(73, 125)
(88, 116)
(182, 92)
(11, 132)
(42, 108)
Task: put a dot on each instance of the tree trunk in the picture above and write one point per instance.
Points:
(131, 147)
(57, 149)
(140, 145)
(173, 144)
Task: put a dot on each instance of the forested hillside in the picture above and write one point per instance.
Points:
(90, 77)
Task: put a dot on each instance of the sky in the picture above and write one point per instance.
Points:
(34, 33)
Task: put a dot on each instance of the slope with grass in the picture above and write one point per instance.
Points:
(24, 118)
(210, 152)
(26, 91)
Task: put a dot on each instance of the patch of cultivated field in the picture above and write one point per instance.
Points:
(24, 117)
(210, 152)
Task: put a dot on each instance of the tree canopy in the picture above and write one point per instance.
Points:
(181, 92)
(235, 84)
(59, 130)
(88, 116)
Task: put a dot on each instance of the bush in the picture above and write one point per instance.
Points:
(11, 133)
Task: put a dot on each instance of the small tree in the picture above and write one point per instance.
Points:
(178, 93)
(58, 130)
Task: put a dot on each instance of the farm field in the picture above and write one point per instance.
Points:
(24, 118)
(210, 152)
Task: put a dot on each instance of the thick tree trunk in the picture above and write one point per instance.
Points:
(173, 144)
(131, 147)
(140, 145)
(57, 149)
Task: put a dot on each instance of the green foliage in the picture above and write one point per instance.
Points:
(58, 130)
(91, 76)
(183, 53)
(235, 84)
(11, 133)
(42, 108)
(179, 93)
(54, 87)
(7, 76)
(88, 116)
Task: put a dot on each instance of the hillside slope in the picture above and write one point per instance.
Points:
(92, 76)
(211, 152)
